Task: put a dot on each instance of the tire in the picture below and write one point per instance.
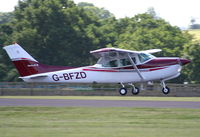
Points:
(123, 91)
(135, 91)
(166, 90)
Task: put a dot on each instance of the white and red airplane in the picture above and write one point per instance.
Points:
(114, 66)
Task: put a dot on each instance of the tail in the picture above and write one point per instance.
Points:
(26, 64)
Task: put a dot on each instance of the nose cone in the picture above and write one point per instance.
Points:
(184, 61)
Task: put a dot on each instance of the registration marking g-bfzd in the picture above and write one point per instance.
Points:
(69, 76)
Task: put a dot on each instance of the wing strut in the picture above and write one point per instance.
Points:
(135, 67)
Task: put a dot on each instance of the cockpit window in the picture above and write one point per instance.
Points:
(144, 57)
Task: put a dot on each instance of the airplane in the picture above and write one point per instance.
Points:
(114, 65)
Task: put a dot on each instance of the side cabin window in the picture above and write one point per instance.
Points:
(119, 62)
(126, 61)
(112, 63)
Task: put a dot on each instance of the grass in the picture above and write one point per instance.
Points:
(109, 98)
(98, 122)
(195, 33)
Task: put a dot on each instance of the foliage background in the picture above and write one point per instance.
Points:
(59, 32)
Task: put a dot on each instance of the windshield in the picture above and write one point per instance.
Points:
(143, 57)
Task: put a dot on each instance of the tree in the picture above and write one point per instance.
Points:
(101, 13)
(146, 32)
(6, 17)
(57, 31)
(106, 31)
(192, 71)
(193, 24)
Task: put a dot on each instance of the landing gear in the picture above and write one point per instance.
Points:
(134, 90)
(165, 89)
(123, 91)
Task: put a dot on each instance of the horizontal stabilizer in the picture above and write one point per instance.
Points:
(34, 76)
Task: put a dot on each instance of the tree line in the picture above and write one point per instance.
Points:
(59, 32)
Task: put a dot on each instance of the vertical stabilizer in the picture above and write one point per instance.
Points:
(26, 64)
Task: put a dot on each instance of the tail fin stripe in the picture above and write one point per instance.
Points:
(17, 59)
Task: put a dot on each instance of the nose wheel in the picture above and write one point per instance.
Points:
(165, 89)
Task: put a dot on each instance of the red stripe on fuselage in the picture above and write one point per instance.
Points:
(102, 70)
(120, 70)
(153, 69)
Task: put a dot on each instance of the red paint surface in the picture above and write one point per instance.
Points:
(102, 70)
(24, 67)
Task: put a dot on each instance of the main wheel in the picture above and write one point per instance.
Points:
(123, 91)
(166, 90)
(135, 90)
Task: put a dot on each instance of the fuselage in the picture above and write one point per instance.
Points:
(154, 69)
(114, 66)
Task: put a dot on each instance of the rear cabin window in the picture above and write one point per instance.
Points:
(112, 63)
(125, 62)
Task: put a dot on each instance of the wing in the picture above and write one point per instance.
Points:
(151, 51)
(101, 52)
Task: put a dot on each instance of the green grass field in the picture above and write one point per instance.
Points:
(195, 33)
(98, 122)
(109, 98)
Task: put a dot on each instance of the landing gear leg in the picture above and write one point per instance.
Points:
(134, 90)
(165, 89)
(123, 90)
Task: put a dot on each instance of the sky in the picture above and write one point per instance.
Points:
(176, 12)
